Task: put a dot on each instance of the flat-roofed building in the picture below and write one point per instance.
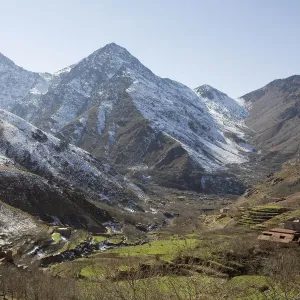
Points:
(280, 235)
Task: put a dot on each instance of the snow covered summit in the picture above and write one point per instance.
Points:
(111, 105)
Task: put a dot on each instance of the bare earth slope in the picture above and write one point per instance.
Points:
(274, 112)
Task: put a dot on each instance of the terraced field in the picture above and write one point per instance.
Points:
(256, 217)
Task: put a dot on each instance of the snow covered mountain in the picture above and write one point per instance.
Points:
(19, 86)
(223, 108)
(114, 107)
(52, 179)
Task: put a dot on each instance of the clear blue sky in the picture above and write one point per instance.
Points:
(233, 45)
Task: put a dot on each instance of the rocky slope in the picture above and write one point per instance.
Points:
(15, 224)
(276, 189)
(56, 181)
(114, 107)
(274, 116)
(19, 86)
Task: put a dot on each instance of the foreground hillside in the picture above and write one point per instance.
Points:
(195, 255)
(219, 259)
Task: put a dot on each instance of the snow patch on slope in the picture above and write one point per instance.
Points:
(17, 84)
(196, 119)
(178, 112)
(49, 155)
(42, 84)
(104, 110)
(14, 223)
(247, 104)
(63, 71)
(228, 113)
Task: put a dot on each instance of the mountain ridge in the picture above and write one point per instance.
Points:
(174, 127)
(50, 179)
(274, 116)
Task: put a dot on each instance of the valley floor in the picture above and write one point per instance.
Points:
(202, 254)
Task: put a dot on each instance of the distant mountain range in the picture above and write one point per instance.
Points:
(80, 128)
(114, 107)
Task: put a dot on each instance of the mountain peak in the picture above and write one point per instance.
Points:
(109, 60)
(110, 54)
(208, 91)
(205, 86)
(224, 108)
(112, 49)
(113, 46)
